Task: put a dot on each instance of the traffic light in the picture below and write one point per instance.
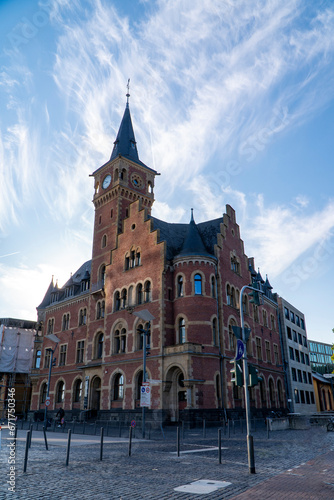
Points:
(237, 373)
(253, 377)
(255, 297)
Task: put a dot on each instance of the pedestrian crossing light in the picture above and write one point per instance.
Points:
(237, 373)
(254, 377)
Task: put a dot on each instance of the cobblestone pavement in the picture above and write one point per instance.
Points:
(290, 464)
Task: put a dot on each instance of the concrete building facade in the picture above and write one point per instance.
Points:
(296, 355)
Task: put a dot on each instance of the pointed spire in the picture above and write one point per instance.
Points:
(193, 243)
(267, 283)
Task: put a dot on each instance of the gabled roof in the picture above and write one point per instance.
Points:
(47, 297)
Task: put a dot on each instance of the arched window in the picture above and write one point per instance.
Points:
(99, 346)
(263, 393)
(60, 392)
(44, 390)
(139, 383)
(214, 331)
(264, 317)
(180, 291)
(213, 287)
(228, 295)
(231, 335)
(139, 294)
(38, 359)
(104, 241)
(130, 296)
(198, 284)
(118, 386)
(245, 304)
(127, 262)
(102, 308)
(149, 187)
(77, 391)
(147, 289)
(120, 340)
(117, 301)
(103, 275)
(182, 331)
(124, 297)
(272, 393)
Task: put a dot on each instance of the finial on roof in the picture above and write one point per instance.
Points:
(192, 215)
(128, 93)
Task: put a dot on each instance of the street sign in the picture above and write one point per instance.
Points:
(240, 350)
(145, 395)
(47, 403)
(133, 423)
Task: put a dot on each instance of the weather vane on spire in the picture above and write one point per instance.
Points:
(128, 94)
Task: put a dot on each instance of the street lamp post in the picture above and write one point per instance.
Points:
(250, 444)
(145, 315)
(55, 339)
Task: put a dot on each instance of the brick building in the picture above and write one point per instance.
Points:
(188, 276)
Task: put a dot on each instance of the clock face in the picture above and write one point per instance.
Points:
(106, 181)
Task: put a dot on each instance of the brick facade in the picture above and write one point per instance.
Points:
(188, 276)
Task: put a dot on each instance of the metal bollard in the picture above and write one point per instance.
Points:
(101, 443)
(178, 440)
(130, 440)
(26, 452)
(268, 428)
(68, 447)
(45, 440)
(251, 459)
(204, 430)
(83, 427)
(30, 435)
(220, 446)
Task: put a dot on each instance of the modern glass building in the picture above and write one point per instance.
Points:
(320, 357)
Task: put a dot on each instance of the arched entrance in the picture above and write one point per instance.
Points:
(174, 393)
(96, 393)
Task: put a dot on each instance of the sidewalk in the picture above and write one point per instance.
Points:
(311, 481)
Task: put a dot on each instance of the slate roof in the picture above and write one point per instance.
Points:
(83, 273)
(125, 144)
(188, 239)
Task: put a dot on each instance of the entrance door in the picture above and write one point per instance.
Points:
(96, 393)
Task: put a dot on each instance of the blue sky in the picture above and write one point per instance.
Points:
(232, 102)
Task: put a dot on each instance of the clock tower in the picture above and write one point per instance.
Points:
(118, 183)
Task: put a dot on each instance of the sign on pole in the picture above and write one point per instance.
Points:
(145, 395)
(240, 350)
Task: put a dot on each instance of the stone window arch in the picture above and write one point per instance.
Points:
(38, 359)
(118, 387)
(181, 330)
(180, 285)
(213, 287)
(60, 391)
(104, 241)
(120, 335)
(147, 291)
(99, 341)
(140, 336)
(43, 392)
(102, 275)
(117, 301)
(231, 336)
(198, 284)
(77, 390)
(139, 293)
(124, 295)
(214, 331)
